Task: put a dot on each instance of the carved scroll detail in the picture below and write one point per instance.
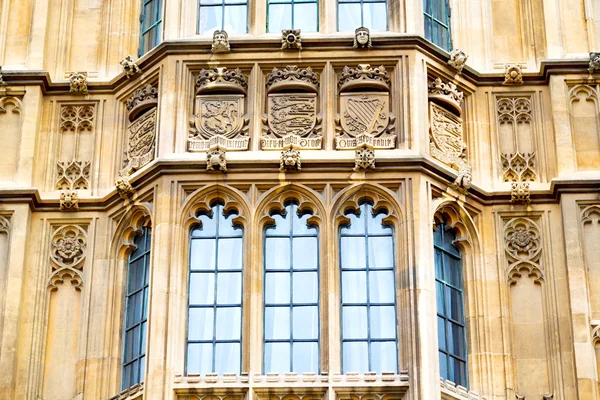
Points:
(523, 246)
(67, 254)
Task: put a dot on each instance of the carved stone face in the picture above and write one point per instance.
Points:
(362, 37)
(220, 38)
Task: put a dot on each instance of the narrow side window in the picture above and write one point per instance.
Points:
(437, 23)
(151, 25)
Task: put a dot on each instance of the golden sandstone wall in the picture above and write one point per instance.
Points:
(521, 190)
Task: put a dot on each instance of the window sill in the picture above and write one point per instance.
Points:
(452, 392)
(386, 378)
(134, 392)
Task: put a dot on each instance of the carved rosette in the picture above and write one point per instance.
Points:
(523, 246)
(365, 118)
(220, 119)
(69, 200)
(78, 83)
(141, 132)
(364, 158)
(292, 120)
(291, 40)
(513, 74)
(67, 254)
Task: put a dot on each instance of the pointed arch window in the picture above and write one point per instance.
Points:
(452, 340)
(291, 293)
(136, 311)
(214, 334)
(369, 316)
(437, 23)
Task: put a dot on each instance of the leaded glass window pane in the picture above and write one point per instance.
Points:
(151, 21)
(291, 293)
(369, 322)
(452, 340)
(370, 14)
(214, 336)
(293, 14)
(437, 23)
(136, 311)
(228, 15)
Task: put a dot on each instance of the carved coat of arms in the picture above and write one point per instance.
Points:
(141, 141)
(446, 137)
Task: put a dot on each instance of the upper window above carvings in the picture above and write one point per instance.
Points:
(370, 14)
(292, 14)
(228, 15)
(437, 22)
(151, 24)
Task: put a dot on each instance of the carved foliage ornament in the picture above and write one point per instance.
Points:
(78, 83)
(73, 175)
(520, 193)
(220, 119)
(291, 40)
(522, 244)
(67, 254)
(458, 59)
(292, 118)
(220, 42)
(513, 74)
(446, 94)
(130, 67)
(518, 167)
(362, 38)
(364, 158)
(69, 200)
(141, 100)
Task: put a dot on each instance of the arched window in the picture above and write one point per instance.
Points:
(452, 339)
(370, 14)
(214, 336)
(136, 311)
(369, 323)
(228, 15)
(151, 21)
(437, 23)
(291, 293)
(292, 14)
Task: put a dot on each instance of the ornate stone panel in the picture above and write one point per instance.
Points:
(73, 175)
(365, 118)
(292, 119)
(67, 254)
(584, 110)
(141, 133)
(522, 244)
(11, 122)
(220, 119)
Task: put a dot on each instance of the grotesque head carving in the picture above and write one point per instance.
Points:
(362, 38)
(220, 42)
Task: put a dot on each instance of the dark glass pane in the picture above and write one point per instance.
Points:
(441, 333)
(138, 241)
(136, 342)
(383, 322)
(135, 373)
(305, 253)
(277, 357)
(306, 357)
(306, 322)
(384, 357)
(439, 264)
(126, 377)
(202, 254)
(456, 340)
(449, 234)
(142, 368)
(439, 10)
(150, 13)
(381, 252)
(354, 286)
(454, 304)
(443, 365)
(375, 16)
(230, 254)
(227, 358)
(453, 271)
(277, 253)
(277, 323)
(229, 288)
(128, 346)
(381, 287)
(202, 288)
(353, 253)
(277, 288)
(136, 275)
(305, 17)
(437, 233)
(444, 42)
(354, 322)
(355, 357)
(229, 323)
(305, 288)
(199, 358)
(130, 318)
(439, 294)
(143, 341)
(429, 36)
(146, 269)
(280, 17)
(427, 6)
(200, 324)
(210, 19)
(459, 372)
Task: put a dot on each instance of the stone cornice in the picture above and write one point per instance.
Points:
(322, 45)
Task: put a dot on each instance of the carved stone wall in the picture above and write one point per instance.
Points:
(10, 120)
(585, 125)
(141, 133)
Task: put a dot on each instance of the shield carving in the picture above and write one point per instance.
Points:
(219, 115)
(364, 113)
(446, 139)
(140, 143)
(292, 114)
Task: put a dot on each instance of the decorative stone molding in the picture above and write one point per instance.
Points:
(595, 326)
(464, 178)
(124, 188)
(523, 246)
(446, 138)
(514, 110)
(142, 100)
(141, 142)
(513, 74)
(362, 38)
(458, 60)
(220, 119)
(520, 193)
(78, 82)
(518, 167)
(4, 224)
(130, 67)
(220, 43)
(1, 78)
(594, 62)
(69, 200)
(134, 392)
(446, 94)
(365, 118)
(215, 158)
(291, 40)
(292, 118)
(10, 103)
(77, 118)
(72, 175)
(364, 158)
(67, 254)
(290, 159)
(452, 391)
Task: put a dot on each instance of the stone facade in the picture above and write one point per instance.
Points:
(503, 145)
